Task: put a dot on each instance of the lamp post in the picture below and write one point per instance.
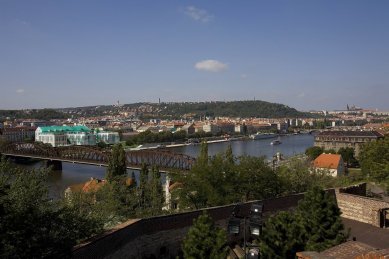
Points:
(255, 226)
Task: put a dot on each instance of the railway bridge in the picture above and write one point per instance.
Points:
(165, 160)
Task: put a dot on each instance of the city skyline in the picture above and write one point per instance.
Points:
(307, 55)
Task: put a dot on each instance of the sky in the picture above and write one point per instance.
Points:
(307, 54)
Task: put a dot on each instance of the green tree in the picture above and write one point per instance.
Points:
(374, 160)
(282, 236)
(202, 159)
(314, 152)
(297, 176)
(117, 163)
(316, 225)
(156, 192)
(33, 226)
(321, 221)
(348, 155)
(204, 240)
(256, 179)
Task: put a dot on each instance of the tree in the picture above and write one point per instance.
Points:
(297, 176)
(202, 159)
(314, 152)
(256, 179)
(348, 155)
(321, 221)
(282, 236)
(374, 160)
(117, 163)
(205, 240)
(155, 191)
(33, 226)
(316, 225)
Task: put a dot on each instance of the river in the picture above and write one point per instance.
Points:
(78, 173)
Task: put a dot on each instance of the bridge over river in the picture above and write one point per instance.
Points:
(166, 161)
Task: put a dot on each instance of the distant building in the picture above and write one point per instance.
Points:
(17, 134)
(332, 162)
(189, 129)
(108, 137)
(65, 135)
(213, 128)
(226, 127)
(338, 139)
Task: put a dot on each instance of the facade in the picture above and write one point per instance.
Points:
(189, 129)
(17, 134)
(213, 128)
(58, 136)
(331, 162)
(338, 139)
(108, 137)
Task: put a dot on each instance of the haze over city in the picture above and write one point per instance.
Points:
(305, 54)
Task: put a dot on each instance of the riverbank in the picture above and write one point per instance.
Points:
(176, 145)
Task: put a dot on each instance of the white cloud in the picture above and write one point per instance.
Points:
(301, 95)
(211, 65)
(243, 76)
(20, 91)
(197, 14)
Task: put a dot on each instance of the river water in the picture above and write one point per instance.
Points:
(78, 173)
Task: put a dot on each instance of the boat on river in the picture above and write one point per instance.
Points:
(260, 135)
(275, 142)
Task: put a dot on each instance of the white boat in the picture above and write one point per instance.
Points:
(260, 135)
(275, 142)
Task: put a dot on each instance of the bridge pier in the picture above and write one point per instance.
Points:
(57, 165)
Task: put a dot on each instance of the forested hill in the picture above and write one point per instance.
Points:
(40, 114)
(232, 109)
(176, 110)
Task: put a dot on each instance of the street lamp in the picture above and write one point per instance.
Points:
(255, 226)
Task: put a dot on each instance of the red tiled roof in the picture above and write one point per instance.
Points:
(330, 161)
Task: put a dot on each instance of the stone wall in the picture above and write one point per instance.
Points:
(359, 189)
(360, 208)
(161, 237)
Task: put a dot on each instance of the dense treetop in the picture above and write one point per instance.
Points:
(40, 114)
(231, 109)
(172, 110)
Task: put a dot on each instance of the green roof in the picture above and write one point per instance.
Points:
(65, 129)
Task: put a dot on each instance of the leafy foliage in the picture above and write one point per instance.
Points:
(39, 114)
(348, 155)
(160, 137)
(204, 240)
(320, 218)
(374, 160)
(315, 226)
(282, 236)
(33, 226)
(232, 109)
(224, 179)
(314, 152)
(117, 163)
(297, 176)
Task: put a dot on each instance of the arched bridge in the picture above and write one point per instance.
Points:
(164, 160)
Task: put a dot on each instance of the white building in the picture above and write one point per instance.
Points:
(108, 137)
(65, 135)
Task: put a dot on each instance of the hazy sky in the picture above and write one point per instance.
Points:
(307, 54)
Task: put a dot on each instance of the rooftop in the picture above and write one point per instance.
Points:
(64, 129)
(330, 161)
(350, 133)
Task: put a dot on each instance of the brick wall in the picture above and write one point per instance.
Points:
(360, 208)
(156, 236)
